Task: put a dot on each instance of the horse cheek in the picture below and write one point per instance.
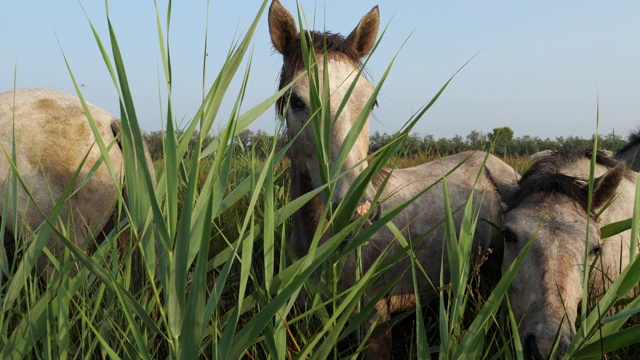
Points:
(518, 295)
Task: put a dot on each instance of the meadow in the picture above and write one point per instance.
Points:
(198, 266)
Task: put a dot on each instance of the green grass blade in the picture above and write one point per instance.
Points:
(618, 340)
(491, 306)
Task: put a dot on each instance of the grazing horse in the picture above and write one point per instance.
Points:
(49, 136)
(422, 218)
(629, 152)
(550, 204)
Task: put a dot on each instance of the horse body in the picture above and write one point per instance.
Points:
(421, 221)
(629, 152)
(52, 140)
(417, 222)
(550, 205)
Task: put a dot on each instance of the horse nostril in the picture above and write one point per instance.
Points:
(531, 348)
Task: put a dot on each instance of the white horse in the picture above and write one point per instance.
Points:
(50, 137)
(343, 59)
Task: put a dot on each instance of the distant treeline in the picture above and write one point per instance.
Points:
(422, 145)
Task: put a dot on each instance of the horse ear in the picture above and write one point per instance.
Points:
(363, 37)
(606, 185)
(504, 179)
(282, 27)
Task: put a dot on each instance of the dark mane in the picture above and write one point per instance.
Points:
(545, 176)
(320, 41)
(634, 140)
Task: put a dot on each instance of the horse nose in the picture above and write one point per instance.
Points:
(531, 350)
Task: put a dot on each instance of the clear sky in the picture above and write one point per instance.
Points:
(541, 68)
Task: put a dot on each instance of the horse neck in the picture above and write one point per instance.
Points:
(628, 151)
(622, 206)
(379, 179)
(306, 219)
(630, 156)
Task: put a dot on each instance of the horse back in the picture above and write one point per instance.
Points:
(47, 135)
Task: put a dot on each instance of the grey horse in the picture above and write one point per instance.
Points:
(550, 205)
(343, 58)
(629, 152)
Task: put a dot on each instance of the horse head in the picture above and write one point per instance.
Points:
(550, 206)
(327, 111)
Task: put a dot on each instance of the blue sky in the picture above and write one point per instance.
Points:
(542, 69)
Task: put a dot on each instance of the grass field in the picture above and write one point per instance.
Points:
(217, 278)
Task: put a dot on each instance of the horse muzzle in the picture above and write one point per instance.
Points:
(533, 349)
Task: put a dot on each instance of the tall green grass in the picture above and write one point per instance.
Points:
(219, 281)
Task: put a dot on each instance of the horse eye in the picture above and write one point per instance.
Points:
(597, 250)
(509, 236)
(296, 103)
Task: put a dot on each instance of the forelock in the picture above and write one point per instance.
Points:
(334, 45)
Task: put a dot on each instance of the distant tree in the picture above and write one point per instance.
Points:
(525, 145)
(457, 145)
(376, 141)
(572, 142)
(154, 144)
(477, 140)
(412, 145)
(415, 144)
(501, 137)
(262, 143)
(612, 141)
(429, 145)
(245, 137)
(442, 147)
